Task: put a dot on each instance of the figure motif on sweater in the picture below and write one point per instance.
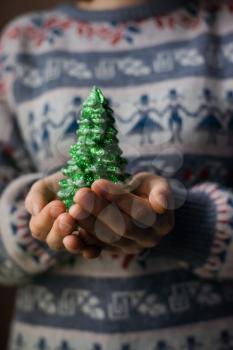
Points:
(211, 118)
(172, 93)
(175, 120)
(42, 344)
(192, 344)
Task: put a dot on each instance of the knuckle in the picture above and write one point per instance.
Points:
(65, 224)
(63, 217)
(84, 191)
(57, 203)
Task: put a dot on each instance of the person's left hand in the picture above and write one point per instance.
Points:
(127, 221)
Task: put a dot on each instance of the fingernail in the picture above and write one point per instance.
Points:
(63, 226)
(56, 211)
(77, 213)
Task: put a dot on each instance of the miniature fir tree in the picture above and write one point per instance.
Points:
(96, 155)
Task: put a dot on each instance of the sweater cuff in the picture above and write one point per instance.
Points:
(31, 255)
(193, 235)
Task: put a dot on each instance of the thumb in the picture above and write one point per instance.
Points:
(41, 193)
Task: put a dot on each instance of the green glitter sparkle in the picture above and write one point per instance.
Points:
(97, 154)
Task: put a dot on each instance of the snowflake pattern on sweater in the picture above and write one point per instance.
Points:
(167, 71)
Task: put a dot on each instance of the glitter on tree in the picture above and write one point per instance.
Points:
(97, 154)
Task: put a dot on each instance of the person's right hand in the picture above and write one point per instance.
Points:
(51, 223)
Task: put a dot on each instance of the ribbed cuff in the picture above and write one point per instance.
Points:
(194, 232)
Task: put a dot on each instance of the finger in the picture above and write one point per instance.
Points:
(52, 182)
(78, 243)
(98, 228)
(124, 244)
(62, 227)
(90, 224)
(74, 243)
(122, 225)
(90, 202)
(41, 224)
(108, 189)
(80, 240)
(140, 214)
(164, 224)
(91, 252)
(41, 193)
(37, 198)
(160, 198)
(155, 188)
(90, 207)
(111, 225)
(138, 209)
(89, 239)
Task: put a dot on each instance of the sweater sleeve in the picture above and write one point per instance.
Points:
(203, 234)
(21, 256)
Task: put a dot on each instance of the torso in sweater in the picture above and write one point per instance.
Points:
(170, 82)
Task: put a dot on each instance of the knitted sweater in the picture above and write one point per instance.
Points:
(167, 68)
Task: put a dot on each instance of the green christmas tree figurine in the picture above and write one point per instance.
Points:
(96, 155)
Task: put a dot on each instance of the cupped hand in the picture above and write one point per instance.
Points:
(52, 224)
(125, 219)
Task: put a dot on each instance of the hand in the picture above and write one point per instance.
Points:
(127, 221)
(52, 224)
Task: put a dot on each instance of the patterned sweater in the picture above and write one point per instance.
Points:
(167, 68)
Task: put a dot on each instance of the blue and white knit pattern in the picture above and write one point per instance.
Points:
(167, 69)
